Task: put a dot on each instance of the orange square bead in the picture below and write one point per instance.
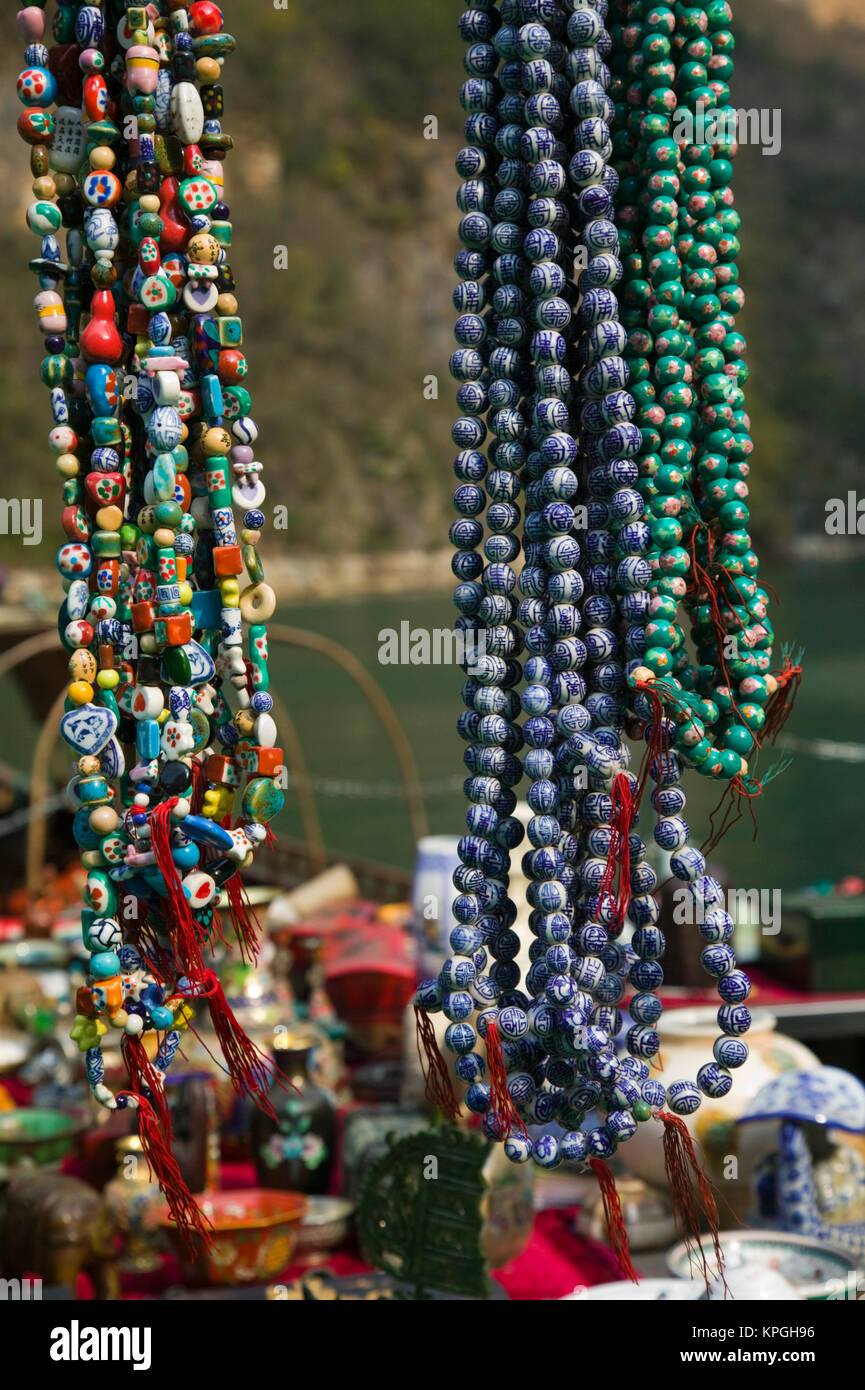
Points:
(269, 761)
(178, 629)
(143, 616)
(217, 769)
(227, 560)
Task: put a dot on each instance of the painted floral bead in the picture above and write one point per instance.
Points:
(546, 1152)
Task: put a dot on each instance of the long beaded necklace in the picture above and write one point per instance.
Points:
(153, 615)
(659, 387)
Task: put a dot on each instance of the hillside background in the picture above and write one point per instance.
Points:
(326, 106)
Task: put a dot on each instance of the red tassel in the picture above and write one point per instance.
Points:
(144, 1077)
(692, 1193)
(184, 929)
(703, 580)
(250, 1070)
(780, 705)
(619, 854)
(243, 918)
(195, 1230)
(657, 744)
(503, 1112)
(199, 787)
(616, 1228)
(438, 1086)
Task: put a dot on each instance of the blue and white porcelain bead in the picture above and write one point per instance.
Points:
(513, 1023)
(730, 1052)
(573, 1146)
(645, 1008)
(518, 1147)
(642, 1042)
(671, 833)
(620, 1125)
(546, 1152)
(714, 1080)
(683, 1097)
(735, 987)
(653, 1093)
(718, 960)
(717, 925)
(706, 890)
(470, 1066)
(600, 1143)
(688, 864)
(457, 1006)
(477, 1098)
(465, 940)
(734, 1019)
(460, 1038)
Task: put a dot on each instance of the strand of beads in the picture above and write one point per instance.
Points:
(671, 561)
(180, 399)
(709, 246)
(81, 165)
(485, 368)
(152, 619)
(553, 698)
(607, 441)
(559, 1060)
(507, 453)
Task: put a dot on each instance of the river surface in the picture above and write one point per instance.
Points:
(810, 817)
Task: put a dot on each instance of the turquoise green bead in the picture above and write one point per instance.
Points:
(262, 800)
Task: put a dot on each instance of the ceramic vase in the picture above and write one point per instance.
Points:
(295, 1151)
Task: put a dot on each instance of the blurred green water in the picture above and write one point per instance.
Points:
(811, 819)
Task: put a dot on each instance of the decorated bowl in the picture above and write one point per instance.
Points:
(325, 1223)
(14, 1049)
(646, 1291)
(815, 1269)
(255, 1234)
(41, 1137)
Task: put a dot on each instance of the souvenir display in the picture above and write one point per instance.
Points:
(827, 1098)
(176, 770)
(599, 364)
(476, 1083)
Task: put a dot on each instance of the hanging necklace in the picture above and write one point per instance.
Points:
(154, 612)
(645, 442)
